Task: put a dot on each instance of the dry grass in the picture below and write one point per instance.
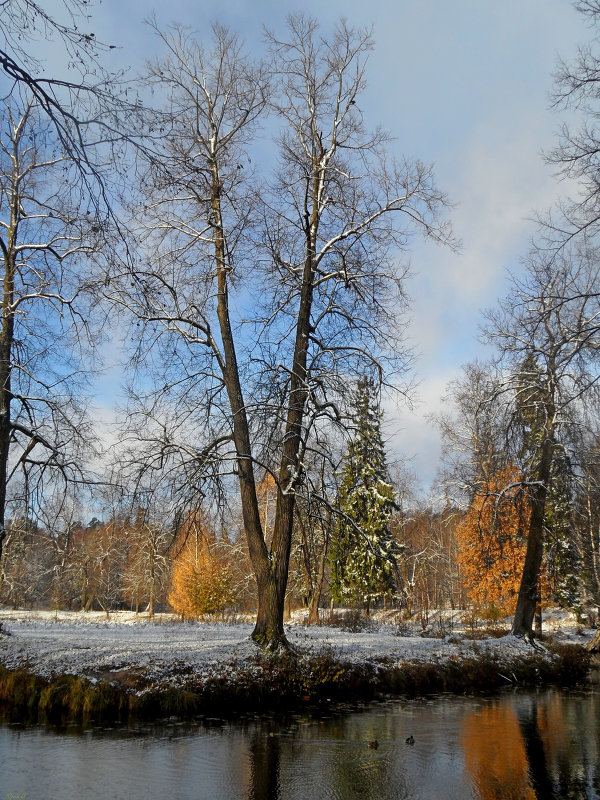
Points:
(285, 681)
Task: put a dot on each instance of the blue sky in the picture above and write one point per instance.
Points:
(461, 83)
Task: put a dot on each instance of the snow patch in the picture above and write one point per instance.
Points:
(167, 650)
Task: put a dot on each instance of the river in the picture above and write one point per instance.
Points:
(542, 745)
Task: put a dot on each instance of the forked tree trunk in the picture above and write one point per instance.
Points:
(269, 624)
(272, 580)
(271, 568)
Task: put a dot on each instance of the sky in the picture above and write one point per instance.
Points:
(463, 84)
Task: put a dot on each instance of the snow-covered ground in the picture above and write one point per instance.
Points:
(165, 649)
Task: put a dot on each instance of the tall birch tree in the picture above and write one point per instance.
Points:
(262, 295)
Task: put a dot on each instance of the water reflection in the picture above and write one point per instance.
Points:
(533, 748)
(518, 747)
(494, 754)
(264, 767)
(536, 754)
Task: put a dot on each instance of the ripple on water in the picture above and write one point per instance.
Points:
(512, 746)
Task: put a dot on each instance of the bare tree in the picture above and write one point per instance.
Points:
(95, 115)
(26, 23)
(546, 332)
(45, 238)
(260, 299)
(109, 559)
(26, 562)
(473, 429)
(148, 541)
(576, 154)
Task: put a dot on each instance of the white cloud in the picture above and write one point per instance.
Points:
(461, 84)
(410, 434)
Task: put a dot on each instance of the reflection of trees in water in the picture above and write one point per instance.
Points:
(495, 757)
(520, 747)
(357, 771)
(365, 775)
(562, 765)
(264, 766)
(329, 758)
(576, 765)
(535, 751)
(525, 749)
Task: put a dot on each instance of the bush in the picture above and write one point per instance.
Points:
(200, 585)
(353, 621)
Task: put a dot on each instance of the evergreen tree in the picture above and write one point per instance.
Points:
(562, 561)
(363, 554)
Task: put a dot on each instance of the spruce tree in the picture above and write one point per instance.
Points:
(562, 563)
(363, 555)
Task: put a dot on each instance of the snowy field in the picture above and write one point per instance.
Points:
(167, 650)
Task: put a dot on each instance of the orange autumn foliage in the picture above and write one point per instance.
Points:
(201, 578)
(492, 543)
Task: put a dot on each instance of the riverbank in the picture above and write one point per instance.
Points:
(79, 667)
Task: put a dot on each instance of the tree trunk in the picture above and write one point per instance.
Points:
(271, 569)
(289, 477)
(538, 614)
(268, 631)
(6, 342)
(84, 589)
(152, 589)
(271, 573)
(528, 590)
(527, 597)
(313, 608)
(594, 645)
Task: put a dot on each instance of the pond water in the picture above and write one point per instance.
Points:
(522, 745)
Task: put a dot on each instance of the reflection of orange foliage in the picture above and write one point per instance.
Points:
(492, 543)
(495, 755)
(552, 726)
